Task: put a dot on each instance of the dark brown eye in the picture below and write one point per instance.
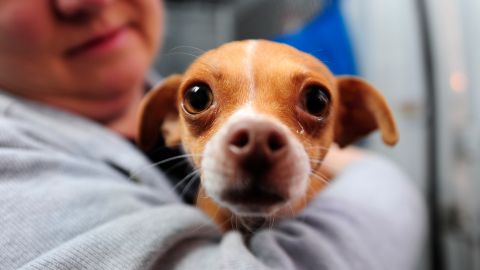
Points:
(198, 98)
(316, 100)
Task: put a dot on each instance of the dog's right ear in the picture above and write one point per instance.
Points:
(158, 115)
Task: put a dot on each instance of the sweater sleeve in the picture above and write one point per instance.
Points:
(371, 217)
(59, 211)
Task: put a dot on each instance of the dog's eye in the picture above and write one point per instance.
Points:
(198, 98)
(316, 100)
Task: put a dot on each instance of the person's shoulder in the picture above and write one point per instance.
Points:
(16, 134)
(22, 132)
(38, 125)
(375, 176)
(379, 187)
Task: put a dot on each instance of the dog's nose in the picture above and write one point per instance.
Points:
(256, 143)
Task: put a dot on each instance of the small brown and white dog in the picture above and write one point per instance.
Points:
(257, 118)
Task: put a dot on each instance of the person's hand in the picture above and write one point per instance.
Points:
(337, 159)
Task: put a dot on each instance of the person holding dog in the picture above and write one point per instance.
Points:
(72, 73)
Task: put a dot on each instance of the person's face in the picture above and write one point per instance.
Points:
(77, 50)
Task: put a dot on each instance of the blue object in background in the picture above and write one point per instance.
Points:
(326, 37)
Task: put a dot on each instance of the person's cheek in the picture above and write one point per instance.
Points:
(23, 29)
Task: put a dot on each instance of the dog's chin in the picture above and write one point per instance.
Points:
(253, 202)
(257, 198)
(255, 210)
(252, 209)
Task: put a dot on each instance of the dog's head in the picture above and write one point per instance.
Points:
(258, 118)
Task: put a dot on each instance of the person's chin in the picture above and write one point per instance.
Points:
(120, 81)
(110, 96)
(111, 86)
(103, 110)
(117, 69)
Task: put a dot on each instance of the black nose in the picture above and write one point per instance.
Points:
(256, 144)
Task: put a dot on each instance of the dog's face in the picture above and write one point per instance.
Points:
(258, 118)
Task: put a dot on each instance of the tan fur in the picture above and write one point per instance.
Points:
(280, 74)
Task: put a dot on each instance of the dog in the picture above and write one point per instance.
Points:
(257, 118)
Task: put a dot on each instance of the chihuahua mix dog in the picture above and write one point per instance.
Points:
(257, 118)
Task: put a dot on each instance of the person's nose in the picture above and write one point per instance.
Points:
(74, 8)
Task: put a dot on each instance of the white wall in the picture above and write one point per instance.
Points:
(387, 46)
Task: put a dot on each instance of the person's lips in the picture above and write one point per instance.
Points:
(104, 42)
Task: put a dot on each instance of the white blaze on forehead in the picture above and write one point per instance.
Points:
(249, 52)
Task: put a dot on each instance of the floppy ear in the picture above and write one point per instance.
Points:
(158, 114)
(362, 109)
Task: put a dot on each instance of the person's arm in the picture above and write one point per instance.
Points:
(370, 217)
(59, 211)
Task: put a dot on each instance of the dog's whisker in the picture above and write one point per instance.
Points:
(318, 174)
(165, 161)
(317, 160)
(230, 174)
(317, 147)
(187, 47)
(234, 222)
(320, 177)
(265, 222)
(175, 158)
(272, 222)
(183, 162)
(315, 144)
(321, 147)
(187, 177)
(222, 225)
(247, 226)
(292, 212)
(216, 214)
(187, 186)
(163, 147)
(136, 173)
(322, 162)
(243, 225)
(176, 53)
(193, 177)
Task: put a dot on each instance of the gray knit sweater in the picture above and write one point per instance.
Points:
(66, 203)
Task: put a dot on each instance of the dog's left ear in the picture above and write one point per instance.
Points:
(362, 110)
(158, 115)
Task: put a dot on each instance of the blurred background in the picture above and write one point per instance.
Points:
(422, 54)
